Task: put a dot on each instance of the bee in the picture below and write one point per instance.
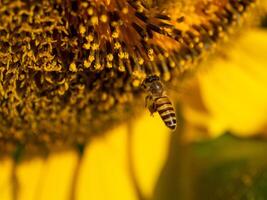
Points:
(158, 101)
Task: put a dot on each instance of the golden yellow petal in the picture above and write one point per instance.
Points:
(150, 149)
(5, 179)
(233, 89)
(126, 162)
(57, 176)
(104, 171)
(30, 177)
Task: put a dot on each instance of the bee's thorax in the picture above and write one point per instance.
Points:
(156, 88)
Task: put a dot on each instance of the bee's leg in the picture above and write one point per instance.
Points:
(150, 104)
(152, 108)
(148, 100)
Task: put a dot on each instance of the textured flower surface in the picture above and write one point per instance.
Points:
(137, 158)
(71, 69)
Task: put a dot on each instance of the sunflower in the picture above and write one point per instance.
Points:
(71, 70)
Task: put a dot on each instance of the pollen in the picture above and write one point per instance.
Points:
(73, 67)
(104, 18)
(82, 29)
(86, 64)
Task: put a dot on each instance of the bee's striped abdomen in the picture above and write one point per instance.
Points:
(166, 111)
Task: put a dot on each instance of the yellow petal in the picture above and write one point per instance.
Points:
(56, 177)
(150, 149)
(234, 88)
(5, 179)
(124, 163)
(104, 171)
(29, 174)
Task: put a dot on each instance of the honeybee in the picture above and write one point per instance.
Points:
(158, 101)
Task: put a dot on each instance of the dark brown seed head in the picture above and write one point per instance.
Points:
(71, 68)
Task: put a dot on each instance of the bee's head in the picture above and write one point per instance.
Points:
(148, 81)
(152, 84)
(152, 78)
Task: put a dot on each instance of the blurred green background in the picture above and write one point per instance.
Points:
(224, 168)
